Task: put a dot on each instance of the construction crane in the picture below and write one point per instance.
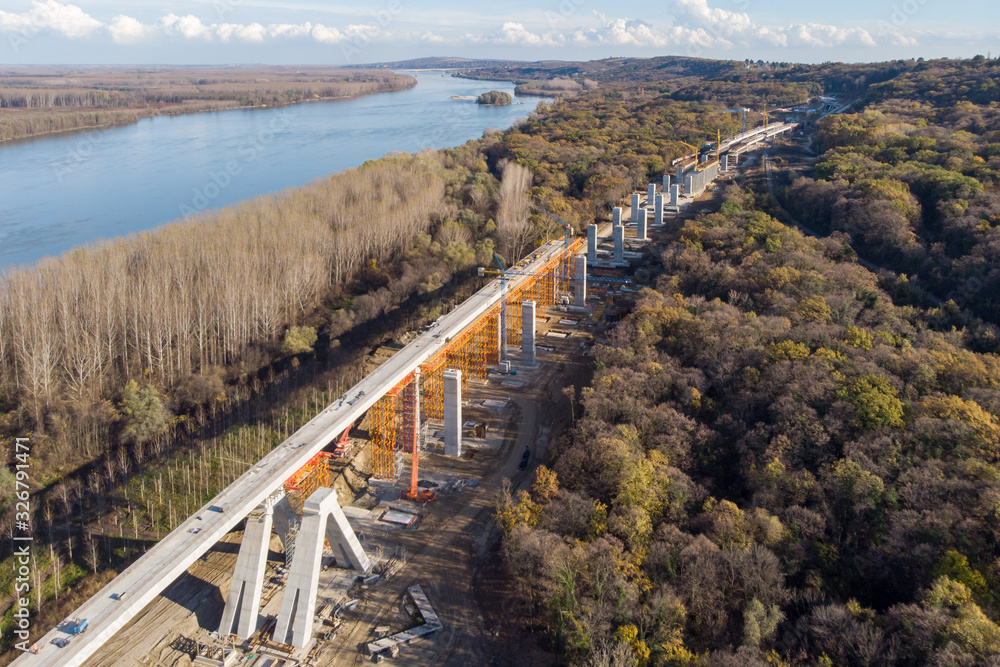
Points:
(567, 228)
(742, 110)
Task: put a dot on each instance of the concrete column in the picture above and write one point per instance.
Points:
(616, 216)
(619, 245)
(452, 380)
(725, 162)
(666, 183)
(689, 185)
(284, 516)
(634, 213)
(675, 194)
(240, 616)
(650, 194)
(322, 518)
(528, 329)
(640, 228)
(704, 158)
(580, 292)
(500, 341)
(658, 210)
(592, 243)
(679, 179)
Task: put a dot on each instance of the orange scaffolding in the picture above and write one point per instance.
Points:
(473, 351)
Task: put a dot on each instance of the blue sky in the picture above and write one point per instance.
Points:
(314, 32)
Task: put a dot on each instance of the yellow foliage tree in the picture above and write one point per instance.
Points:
(814, 309)
(860, 339)
(546, 484)
(968, 626)
(788, 349)
(984, 425)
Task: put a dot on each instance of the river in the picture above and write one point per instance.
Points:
(62, 192)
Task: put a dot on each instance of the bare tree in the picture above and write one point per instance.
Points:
(92, 554)
(513, 209)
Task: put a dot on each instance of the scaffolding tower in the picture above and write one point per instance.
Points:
(391, 420)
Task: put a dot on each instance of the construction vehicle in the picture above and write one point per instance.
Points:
(344, 444)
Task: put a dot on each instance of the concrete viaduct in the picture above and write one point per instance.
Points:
(126, 596)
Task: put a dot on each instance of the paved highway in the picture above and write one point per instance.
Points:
(125, 597)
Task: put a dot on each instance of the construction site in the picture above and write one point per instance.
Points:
(362, 537)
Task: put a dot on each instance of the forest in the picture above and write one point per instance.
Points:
(783, 458)
(36, 101)
(913, 180)
(775, 465)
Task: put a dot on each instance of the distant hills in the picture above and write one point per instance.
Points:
(440, 63)
(607, 69)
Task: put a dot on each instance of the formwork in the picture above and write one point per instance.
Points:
(473, 351)
(315, 474)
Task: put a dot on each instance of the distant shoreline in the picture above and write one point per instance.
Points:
(125, 116)
(108, 126)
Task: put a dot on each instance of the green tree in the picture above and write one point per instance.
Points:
(875, 402)
(298, 340)
(143, 414)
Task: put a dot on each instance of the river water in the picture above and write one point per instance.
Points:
(61, 192)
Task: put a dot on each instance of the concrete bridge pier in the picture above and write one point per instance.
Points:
(634, 213)
(240, 616)
(619, 244)
(592, 243)
(528, 330)
(640, 229)
(666, 183)
(675, 194)
(322, 518)
(580, 289)
(658, 210)
(616, 216)
(651, 194)
(452, 379)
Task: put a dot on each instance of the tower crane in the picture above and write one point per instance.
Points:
(742, 110)
(567, 228)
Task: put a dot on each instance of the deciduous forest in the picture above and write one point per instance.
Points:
(783, 458)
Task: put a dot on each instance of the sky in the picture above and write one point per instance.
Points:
(323, 33)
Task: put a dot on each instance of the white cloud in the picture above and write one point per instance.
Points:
(289, 30)
(190, 26)
(636, 33)
(70, 20)
(253, 32)
(427, 36)
(738, 28)
(325, 35)
(695, 28)
(127, 30)
(817, 35)
(515, 34)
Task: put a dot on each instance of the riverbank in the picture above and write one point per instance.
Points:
(167, 166)
(37, 102)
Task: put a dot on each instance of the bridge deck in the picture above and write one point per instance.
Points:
(128, 594)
